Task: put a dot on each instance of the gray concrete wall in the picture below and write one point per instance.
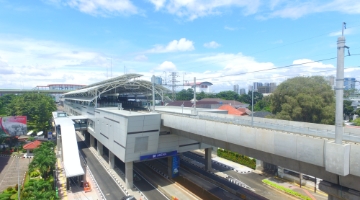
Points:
(349, 130)
(293, 151)
(118, 130)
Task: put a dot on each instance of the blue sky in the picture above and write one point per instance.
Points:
(75, 41)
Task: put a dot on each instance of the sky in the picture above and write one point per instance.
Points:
(225, 42)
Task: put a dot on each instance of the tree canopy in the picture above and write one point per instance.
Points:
(36, 106)
(187, 95)
(307, 99)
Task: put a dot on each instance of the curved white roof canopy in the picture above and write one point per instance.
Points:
(125, 84)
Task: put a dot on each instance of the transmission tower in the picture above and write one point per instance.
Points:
(173, 76)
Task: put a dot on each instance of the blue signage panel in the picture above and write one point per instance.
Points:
(49, 135)
(158, 155)
(175, 166)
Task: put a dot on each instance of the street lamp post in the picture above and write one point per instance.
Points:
(153, 92)
(252, 106)
(18, 179)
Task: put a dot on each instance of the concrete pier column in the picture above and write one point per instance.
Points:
(331, 197)
(111, 160)
(301, 177)
(259, 165)
(208, 166)
(129, 175)
(173, 166)
(92, 142)
(169, 171)
(100, 148)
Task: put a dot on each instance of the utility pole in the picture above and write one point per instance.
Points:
(165, 82)
(153, 92)
(194, 95)
(252, 106)
(339, 128)
(111, 66)
(173, 75)
(184, 80)
(18, 179)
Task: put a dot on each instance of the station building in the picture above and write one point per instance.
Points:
(122, 127)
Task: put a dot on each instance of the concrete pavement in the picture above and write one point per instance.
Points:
(254, 179)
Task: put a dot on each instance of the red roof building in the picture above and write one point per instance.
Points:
(32, 145)
(231, 110)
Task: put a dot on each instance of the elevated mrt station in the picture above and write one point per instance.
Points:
(119, 122)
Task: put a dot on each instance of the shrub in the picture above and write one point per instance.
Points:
(34, 174)
(238, 158)
(9, 189)
(286, 190)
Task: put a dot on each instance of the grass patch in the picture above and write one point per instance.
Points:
(286, 190)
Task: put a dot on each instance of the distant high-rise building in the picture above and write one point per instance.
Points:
(263, 89)
(242, 91)
(331, 80)
(236, 88)
(158, 80)
(349, 83)
(267, 88)
(272, 87)
(256, 85)
(250, 88)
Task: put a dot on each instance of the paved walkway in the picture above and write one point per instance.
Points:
(9, 170)
(303, 190)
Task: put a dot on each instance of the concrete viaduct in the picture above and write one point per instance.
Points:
(303, 147)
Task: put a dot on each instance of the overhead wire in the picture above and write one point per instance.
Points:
(282, 76)
(301, 40)
(274, 68)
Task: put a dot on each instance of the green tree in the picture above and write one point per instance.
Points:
(201, 95)
(348, 109)
(228, 95)
(37, 107)
(356, 122)
(44, 159)
(247, 98)
(4, 101)
(263, 104)
(307, 99)
(185, 95)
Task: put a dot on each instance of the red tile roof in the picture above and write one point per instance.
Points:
(32, 145)
(231, 110)
(244, 110)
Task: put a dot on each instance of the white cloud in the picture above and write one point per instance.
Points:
(339, 33)
(176, 45)
(166, 66)
(141, 58)
(193, 9)
(99, 7)
(229, 28)
(277, 42)
(158, 3)
(46, 62)
(225, 70)
(297, 9)
(212, 45)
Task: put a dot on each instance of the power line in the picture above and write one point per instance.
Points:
(301, 40)
(262, 70)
